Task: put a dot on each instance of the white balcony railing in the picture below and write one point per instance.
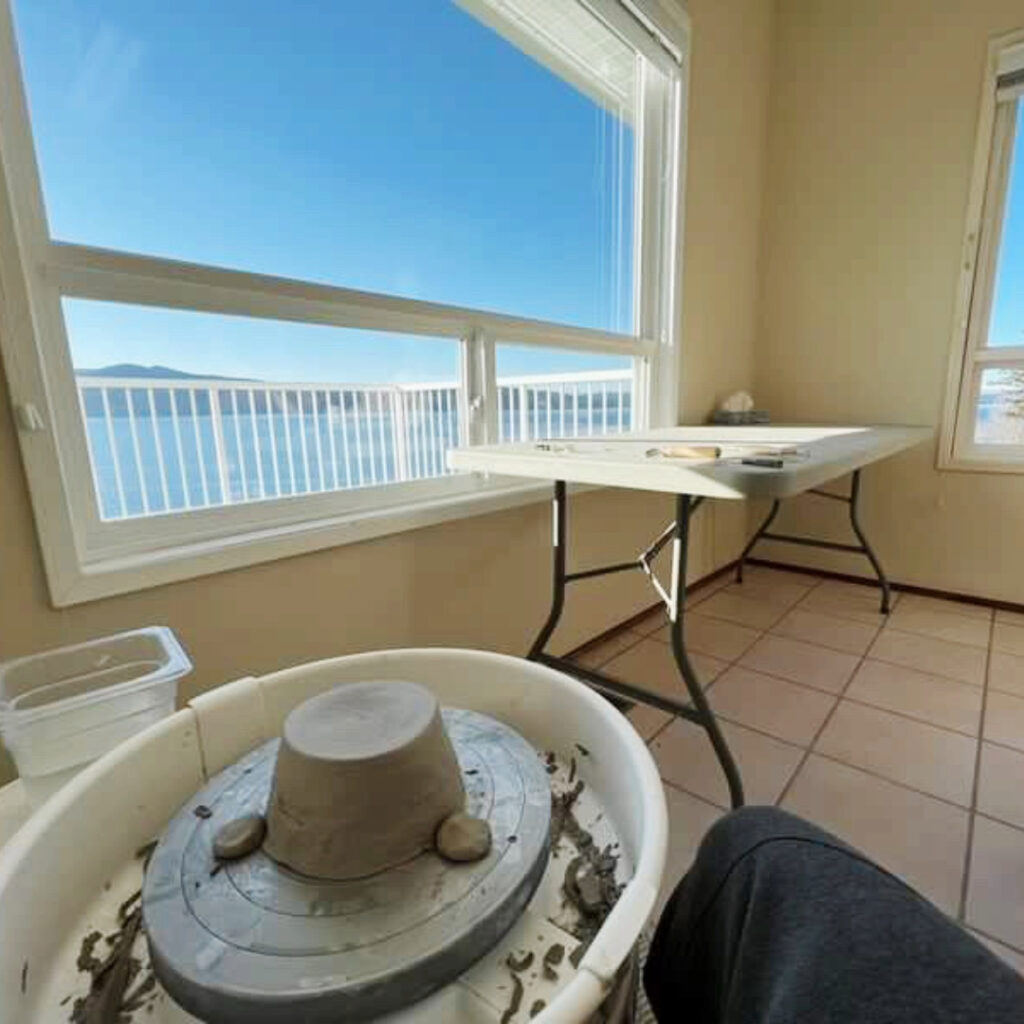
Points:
(171, 445)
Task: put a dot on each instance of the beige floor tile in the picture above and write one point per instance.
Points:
(1014, 618)
(650, 665)
(929, 654)
(945, 702)
(857, 601)
(647, 720)
(770, 574)
(935, 761)
(922, 840)
(994, 903)
(747, 611)
(780, 592)
(945, 625)
(716, 637)
(1005, 953)
(801, 662)
(596, 656)
(1006, 672)
(1004, 719)
(827, 631)
(688, 821)
(1000, 793)
(1008, 637)
(785, 710)
(686, 759)
(941, 604)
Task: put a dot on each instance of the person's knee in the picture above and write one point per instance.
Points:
(741, 831)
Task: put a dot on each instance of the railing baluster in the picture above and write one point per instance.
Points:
(343, 417)
(382, 435)
(576, 411)
(256, 444)
(197, 433)
(268, 403)
(138, 452)
(109, 421)
(536, 411)
(93, 462)
(321, 476)
(524, 413)
(330, 438)
(172, 395)
(604, 408)
(548, 394)
(399, 431)
(293, 485)
(304, 447)
(158, 444)
(237, 430)
(619, 392)
(414, 448)
(435, 429)
(590, 408)
(358, 432)
(371, 447)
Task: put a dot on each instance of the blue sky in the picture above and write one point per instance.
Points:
(416, 153)
(1007, 324)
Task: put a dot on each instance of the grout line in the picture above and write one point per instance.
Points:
(824, 726)
(913, 718)
(938, 675)
(989, 936)
(875, 774)
(997, 743)
(999, 821)
(696, 796)
(965, 884)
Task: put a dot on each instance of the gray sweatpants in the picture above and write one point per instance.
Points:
(777, 921)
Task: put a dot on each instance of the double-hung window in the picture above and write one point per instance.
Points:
(984, 421)
(263, 264)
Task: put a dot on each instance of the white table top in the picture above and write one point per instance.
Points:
(633, 460)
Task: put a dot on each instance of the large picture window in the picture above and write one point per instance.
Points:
(269, 262)
(984, 423)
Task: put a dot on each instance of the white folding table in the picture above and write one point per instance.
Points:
(799, 460)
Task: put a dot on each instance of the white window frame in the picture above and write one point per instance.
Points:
(969, 353)
(87, 558)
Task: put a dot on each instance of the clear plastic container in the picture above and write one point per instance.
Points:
(62, 709)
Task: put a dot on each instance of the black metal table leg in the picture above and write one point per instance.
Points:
(705, 716)
(862, 547)
(883, 580)
(769, 519)
(699, 710)
(558, 522)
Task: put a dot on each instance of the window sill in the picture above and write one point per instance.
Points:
(981, 464)
(108, 577)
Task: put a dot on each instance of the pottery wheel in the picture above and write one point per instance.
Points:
(252, 942)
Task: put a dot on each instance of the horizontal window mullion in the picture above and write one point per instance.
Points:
(999, 358)
(104, 275)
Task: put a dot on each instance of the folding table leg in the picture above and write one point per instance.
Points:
(704, 716)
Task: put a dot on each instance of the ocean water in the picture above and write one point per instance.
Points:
(165, 463)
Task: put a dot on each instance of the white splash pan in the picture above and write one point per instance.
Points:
(70, 866)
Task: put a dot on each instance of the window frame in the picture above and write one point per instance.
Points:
(969, 353)
(87, 558)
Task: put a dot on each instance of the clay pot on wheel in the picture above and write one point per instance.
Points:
(365, 774)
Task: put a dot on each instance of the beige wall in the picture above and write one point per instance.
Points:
(873, 117)
(484, 581)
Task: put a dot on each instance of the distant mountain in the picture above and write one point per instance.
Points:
(135, 370)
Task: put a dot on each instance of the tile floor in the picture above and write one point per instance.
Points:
(904, 735)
